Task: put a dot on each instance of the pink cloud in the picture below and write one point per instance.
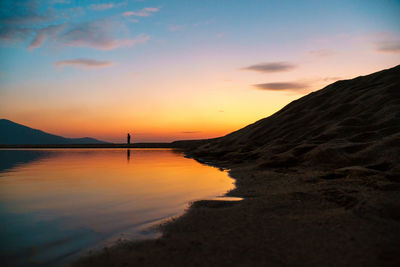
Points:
(98, 35)
(42, 35)
(145, 12)
(83, 62)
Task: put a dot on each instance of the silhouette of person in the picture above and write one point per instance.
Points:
(129, 138)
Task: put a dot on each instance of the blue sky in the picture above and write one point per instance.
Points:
(180, 69)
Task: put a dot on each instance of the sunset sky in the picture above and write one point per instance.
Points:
(169, 70)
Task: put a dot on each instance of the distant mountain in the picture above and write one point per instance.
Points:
(12, 133)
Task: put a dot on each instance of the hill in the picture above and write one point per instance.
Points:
(348, 123)
(13, 133)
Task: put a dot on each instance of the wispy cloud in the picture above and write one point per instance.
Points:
(98, 35)
(145, 12)
(27, 21)
(190, 132)
(74, 12)
(205, 22)
(282, 86)
(20, 20)
(83, 62)
(392, 46)
(271, 67)
(174, 28)
(103, 6)
(302, 86)
(43, 34)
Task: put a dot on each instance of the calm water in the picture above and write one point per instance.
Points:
(57, 204)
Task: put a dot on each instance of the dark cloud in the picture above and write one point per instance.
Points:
(23, 13)
(8, 34)
(19, 20)
(25, 19)
(282, 86)
(83, 62)
(389, 46)
(271, 67)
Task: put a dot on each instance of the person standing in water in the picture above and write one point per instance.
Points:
(129, 138)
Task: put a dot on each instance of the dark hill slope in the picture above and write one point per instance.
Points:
(13, 133)
(350, 122)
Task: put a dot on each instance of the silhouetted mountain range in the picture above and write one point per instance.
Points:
(12, 133)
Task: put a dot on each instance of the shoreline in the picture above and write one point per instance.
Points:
(288, 216)
(133, 145)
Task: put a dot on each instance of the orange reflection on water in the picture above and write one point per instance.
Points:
(106, 192)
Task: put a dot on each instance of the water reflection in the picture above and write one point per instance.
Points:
(12, 158)
(57, 205)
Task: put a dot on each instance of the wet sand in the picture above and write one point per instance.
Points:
(290, 218)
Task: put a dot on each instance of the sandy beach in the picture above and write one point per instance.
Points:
(294, 219)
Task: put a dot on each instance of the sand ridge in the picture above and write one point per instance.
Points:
(348, 123)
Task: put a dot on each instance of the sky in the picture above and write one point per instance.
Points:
(173, 70)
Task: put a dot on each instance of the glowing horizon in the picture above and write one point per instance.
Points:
(178, 70)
